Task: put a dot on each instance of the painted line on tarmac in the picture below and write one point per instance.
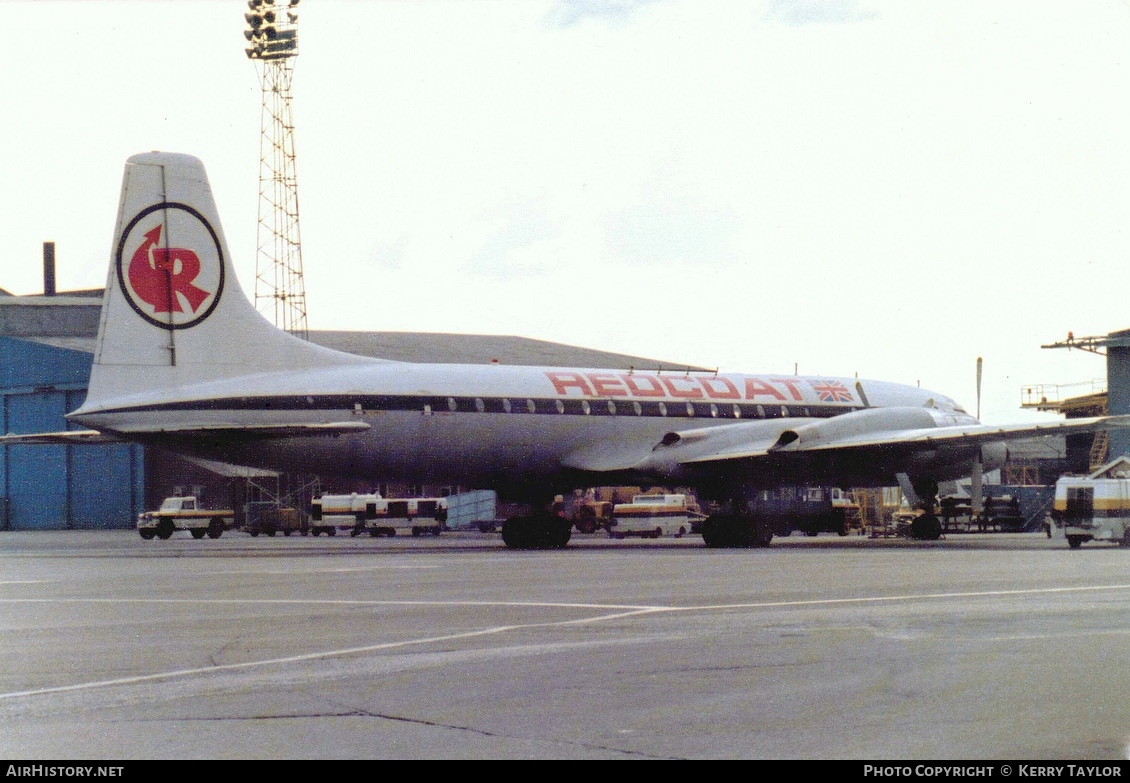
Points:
(914, 597)
(306, 571)
(210, 670)
(631, 608)
(621, 611)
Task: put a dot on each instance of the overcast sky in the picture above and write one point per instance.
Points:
(887, 189)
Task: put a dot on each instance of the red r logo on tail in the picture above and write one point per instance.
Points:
(170, 287)
(159, 274)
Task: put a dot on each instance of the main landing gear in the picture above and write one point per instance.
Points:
(922, 493)
(926, 527)
(544, 530)
(736, 531)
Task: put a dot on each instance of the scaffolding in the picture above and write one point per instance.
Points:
(280, 293)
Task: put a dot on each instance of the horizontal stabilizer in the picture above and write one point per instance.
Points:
(64, 438)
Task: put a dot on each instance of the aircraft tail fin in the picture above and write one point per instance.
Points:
(173, 312)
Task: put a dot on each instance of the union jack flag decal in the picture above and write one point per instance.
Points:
(832, 391)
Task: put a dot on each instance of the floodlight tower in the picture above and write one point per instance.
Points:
(272, 31)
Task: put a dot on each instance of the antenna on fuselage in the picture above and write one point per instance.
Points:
(862, 394)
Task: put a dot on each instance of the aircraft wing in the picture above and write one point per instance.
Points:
(798, 440)
(232, 431)
(883, 432)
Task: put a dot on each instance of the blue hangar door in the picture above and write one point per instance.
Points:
(54, 487)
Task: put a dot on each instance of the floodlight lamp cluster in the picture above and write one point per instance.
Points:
(272, 29)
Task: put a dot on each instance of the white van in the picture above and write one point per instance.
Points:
(651, 516)
(1094, 507)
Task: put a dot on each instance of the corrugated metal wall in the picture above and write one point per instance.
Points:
(469, 508)
(52, 487)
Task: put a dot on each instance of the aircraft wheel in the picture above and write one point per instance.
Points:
(711, 532)
(721, 531)
(738, 532)
(515, 533)
(558, 531)
(926, 528)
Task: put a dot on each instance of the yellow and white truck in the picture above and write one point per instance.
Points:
(1095, 507)
(184, 513)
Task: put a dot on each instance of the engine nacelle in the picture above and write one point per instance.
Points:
(993, 456)
(858, 425)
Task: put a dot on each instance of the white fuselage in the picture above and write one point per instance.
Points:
(481, 425)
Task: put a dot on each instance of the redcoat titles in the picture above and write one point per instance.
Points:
(694, 387)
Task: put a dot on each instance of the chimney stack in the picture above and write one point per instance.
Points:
(48, 268)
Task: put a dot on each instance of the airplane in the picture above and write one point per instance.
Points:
(186, 363)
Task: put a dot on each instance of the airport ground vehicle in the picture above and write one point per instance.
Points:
(331, 513)
(812, 510)
(377, 516)
(591, 515)
(184, 513)
(270, 518)
(421, 516)
(651, 516)
(1095, 507)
